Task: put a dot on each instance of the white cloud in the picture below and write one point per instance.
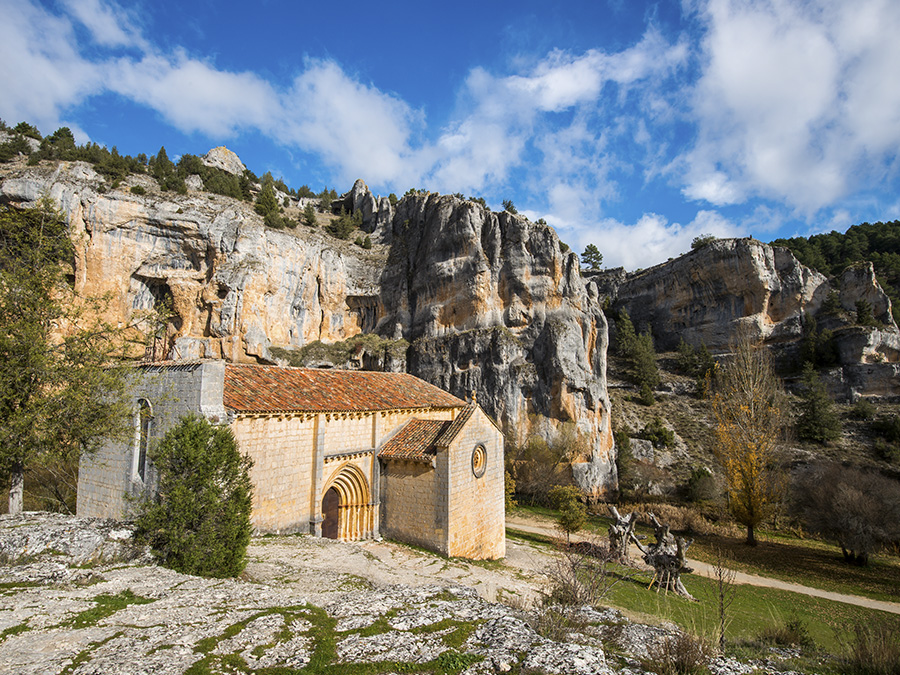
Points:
(356, 127)
(42, 71)
(797, 102)
(194, 95)
(651, 240)
(109, 25)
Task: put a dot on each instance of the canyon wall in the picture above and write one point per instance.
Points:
(488, 302)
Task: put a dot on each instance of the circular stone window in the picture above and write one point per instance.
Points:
(479, 460)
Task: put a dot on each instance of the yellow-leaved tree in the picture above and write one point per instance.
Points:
(748, 404)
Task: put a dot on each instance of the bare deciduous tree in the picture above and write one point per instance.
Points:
(859, 510)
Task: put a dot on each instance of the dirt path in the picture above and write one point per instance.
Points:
(546, 527)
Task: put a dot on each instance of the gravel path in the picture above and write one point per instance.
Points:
(545, 527)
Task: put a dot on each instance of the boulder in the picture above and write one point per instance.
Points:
(225, 159)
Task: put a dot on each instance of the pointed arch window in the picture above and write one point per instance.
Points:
(144, 426)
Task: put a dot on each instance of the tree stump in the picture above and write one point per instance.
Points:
(666, 557)
(620, 534)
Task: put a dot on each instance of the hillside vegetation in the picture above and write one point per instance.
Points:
(830, 254)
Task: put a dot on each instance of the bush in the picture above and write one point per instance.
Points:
(863, 409)
(138, 190)
(859, 510)
(199, 520)
(342, 227)
(681, 654)
(657, 433)
(701, 486)
(792, 632)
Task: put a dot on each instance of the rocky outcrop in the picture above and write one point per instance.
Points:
(225, 159)
(729, 285)
(488, 301)
(297, 606)
(492, 305)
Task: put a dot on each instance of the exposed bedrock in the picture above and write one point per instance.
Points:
(488, 301)
(708, 295)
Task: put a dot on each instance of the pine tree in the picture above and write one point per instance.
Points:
(592, 258)
(309, 215)
(199, 520)
(266, 203)
(572, 514)
(818, 420)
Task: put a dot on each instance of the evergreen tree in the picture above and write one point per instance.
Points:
(59, 396)
(572, 514)
(266, 202)
(639, 355)
(309, 215)
(818, 420)
(199, 520)
(592, 258)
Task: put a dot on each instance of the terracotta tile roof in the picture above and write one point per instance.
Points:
(415, 441)
(263, 389)
(449, 433)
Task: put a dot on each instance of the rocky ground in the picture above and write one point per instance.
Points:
(76, 597)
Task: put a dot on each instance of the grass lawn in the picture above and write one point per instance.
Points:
(754, 609)
(808, 562)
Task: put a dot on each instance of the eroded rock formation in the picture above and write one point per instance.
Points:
(488, 301)
(708, 295)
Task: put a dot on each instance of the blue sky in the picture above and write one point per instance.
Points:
(632, 125)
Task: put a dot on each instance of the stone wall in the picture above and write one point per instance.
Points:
(476, 505)
(414, 505)
(283, 467)
(108, 478)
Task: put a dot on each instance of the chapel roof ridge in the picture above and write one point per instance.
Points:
(270, 389)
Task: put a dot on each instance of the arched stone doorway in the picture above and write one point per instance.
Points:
(330, 506)
(355, 514)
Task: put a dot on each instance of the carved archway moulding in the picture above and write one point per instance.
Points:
(356, 513)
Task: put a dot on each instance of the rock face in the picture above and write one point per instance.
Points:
(225, 159)
(488, 301)
(708, 295)
(491, 305)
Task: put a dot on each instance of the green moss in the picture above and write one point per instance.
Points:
(13, 630)
(85, 654)
(106, 605)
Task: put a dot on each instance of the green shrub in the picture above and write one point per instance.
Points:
(792, 632)
(863, 409)
(138, 190)
(199, 520)
(657, 433)
(342, 227)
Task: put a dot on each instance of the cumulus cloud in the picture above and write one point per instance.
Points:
(797, 102)
(43, 71)
(194, 95)
(351, 125)
(646, 242)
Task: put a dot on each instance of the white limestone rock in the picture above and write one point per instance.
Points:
(225, 159)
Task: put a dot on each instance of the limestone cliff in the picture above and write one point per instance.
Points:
(707, 295)
(488, 301)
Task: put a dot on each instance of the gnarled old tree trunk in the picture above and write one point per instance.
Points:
(621, 533)
(665, 555)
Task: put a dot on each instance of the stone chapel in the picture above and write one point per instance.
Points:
(344, 454)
